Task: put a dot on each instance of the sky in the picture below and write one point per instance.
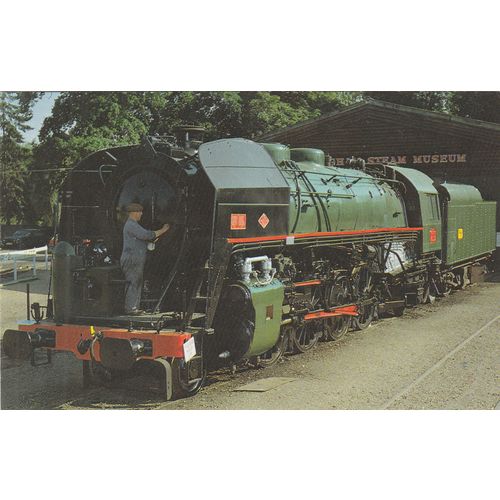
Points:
(41, 110)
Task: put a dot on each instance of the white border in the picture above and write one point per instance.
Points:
(222, 45)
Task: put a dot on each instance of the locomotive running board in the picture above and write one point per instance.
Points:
(361, 232)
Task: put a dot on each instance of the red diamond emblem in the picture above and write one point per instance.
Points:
(263, 220)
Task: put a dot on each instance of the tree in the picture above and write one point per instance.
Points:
(220, 113)
(320, 102)
(265, 112)
(15, 113)
(430, 100)
(84, 122)
(478, 105)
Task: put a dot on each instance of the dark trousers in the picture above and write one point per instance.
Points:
(133, 271)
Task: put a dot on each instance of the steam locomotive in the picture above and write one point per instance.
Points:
(270, 250)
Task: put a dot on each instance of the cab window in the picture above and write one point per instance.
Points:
(433, 205)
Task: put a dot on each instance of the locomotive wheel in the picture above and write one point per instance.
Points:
(444, 285)
(180, 387)
(288, 336)
(337, 327)
(427, 297)
(425, 294)
(272, 356)
(305, 337)
(365, 317)
(364, 287)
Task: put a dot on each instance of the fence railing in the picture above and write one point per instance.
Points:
(17, 257)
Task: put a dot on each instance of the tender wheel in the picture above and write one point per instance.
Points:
(306, 336)
(461, 278)
(180, 387)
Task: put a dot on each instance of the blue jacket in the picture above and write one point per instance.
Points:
(135, 241)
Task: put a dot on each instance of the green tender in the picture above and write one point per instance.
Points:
(469, 223)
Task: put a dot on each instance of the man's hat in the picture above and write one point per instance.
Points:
(134, 207)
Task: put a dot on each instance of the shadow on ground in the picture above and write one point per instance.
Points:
(493, 278)
(60, 386)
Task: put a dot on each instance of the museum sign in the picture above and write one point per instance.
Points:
(418, 159)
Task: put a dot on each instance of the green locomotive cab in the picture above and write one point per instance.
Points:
(422, 205)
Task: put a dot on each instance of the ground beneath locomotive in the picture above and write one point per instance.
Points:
(440, 356)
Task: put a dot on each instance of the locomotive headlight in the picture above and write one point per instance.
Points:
(137, 347)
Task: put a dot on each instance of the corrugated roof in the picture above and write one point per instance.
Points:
(492, 130)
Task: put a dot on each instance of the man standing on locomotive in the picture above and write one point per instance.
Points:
(133, 258)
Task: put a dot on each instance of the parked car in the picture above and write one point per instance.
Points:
(25, 238)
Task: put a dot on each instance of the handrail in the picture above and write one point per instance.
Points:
(347, 176)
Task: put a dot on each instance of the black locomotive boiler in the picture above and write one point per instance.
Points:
(270, 251)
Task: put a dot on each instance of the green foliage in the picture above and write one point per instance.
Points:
(15, 112)
(81, 123)
(84, 122)
(267, 111)
(432, 101)
(219, 112)
(320, 103)
(478, 105)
